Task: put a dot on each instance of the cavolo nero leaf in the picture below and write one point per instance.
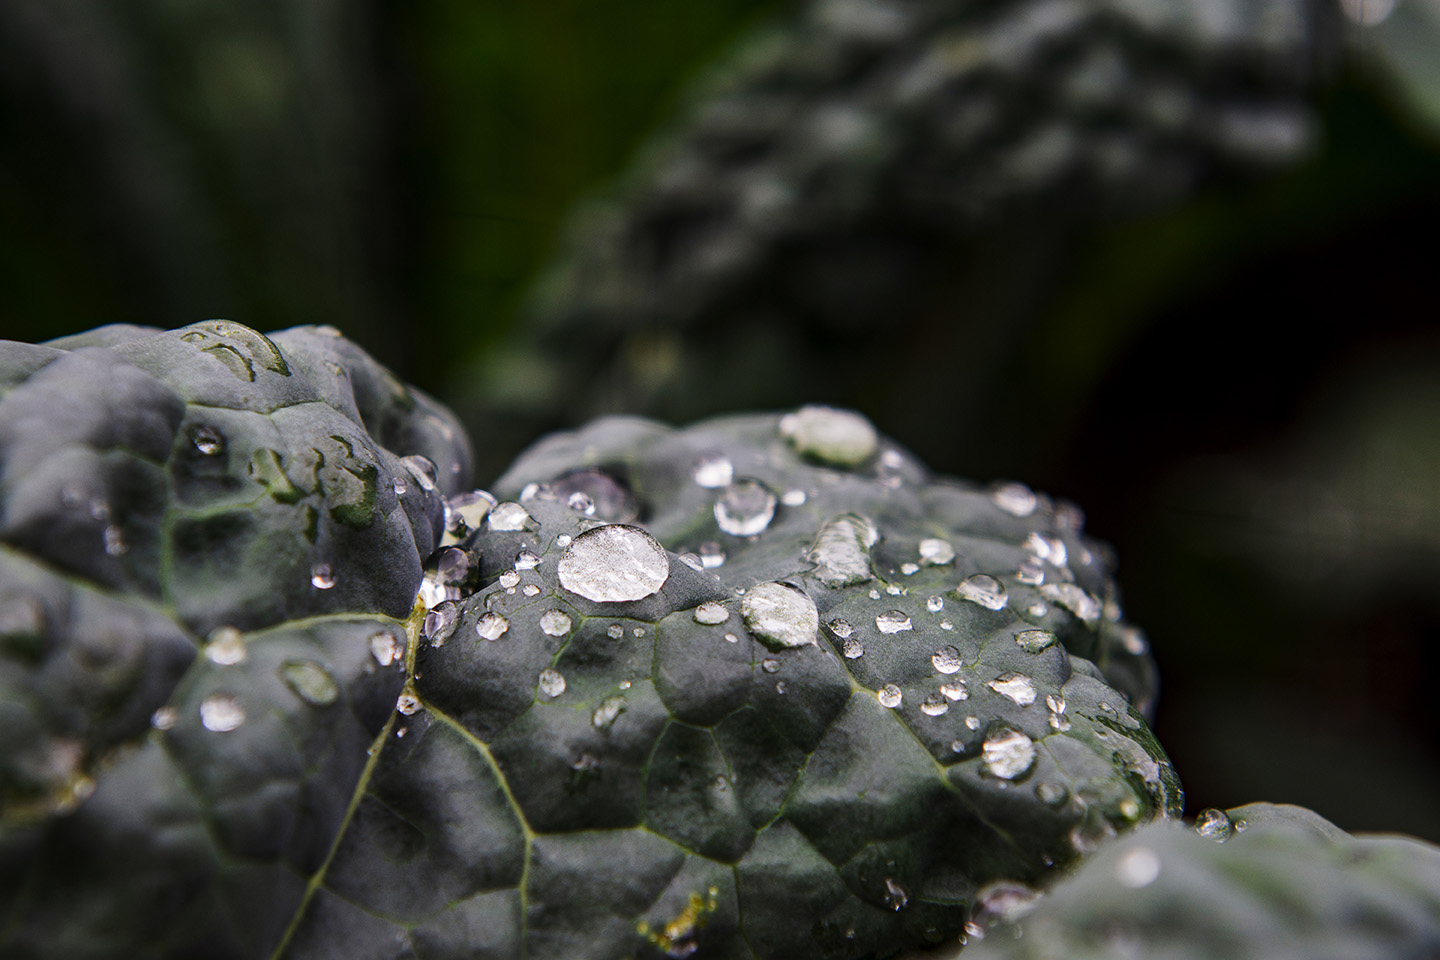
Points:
(758, 688)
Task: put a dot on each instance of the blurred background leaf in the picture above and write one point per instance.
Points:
(1234, 374)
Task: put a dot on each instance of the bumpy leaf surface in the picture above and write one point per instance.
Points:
(761, 688)
(1284, 884)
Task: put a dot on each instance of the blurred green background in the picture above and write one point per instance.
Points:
(1243, 390)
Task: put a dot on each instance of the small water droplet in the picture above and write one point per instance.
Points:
(433, 593)
(894, 590)
(563, 540)
(714, 472)
(693, 561)
(1074, 599)
(555, 623)
(551, 682)
(838, 437)
(398, 485)
(115, 544)
(1008, 753)
(711, 613)
(1015, 498)
(1214, 825)
(745, 509)
(611, 499)
(889, 696)
(780, 686)
(935, 705)
(582, 503)
(509, 517)
(936, 553)
(892, 622)
(853, 648)
(525, 560)
(614, 631)
(793, 498)
(972, 722)
(1035, 641)
(310, 681)
(895, 896)
(1014, 686)
(770, 666)
(1133, 641)
(407, 704)
(509, 579)
(711, 555)
(1031, 572)
(221, 713)
(946, 659)
(780, 616)
(604, 716)
(946, 625)
(164, 718)
(1059, 723)
(492, 626)
(841, 628)
(731, 638)
(614, 563)
(320, 577)
(1038, 610)
(387, 648)
(935, 604)
(638, 632)
(207, 440)
(1137, 867)
(1051, 794)
(909, 569)
(225, 646)
(452, 565)
(530, 590)
(423, 470)
(955, 690)
(984, 590)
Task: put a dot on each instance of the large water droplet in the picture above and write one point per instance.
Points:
(946, 659)
(841, 553)
(711, 613)
(841, 628)
(1034, 641)
(936, 553)
(1015, 498)
(893, 622)
(491, 626)
(853, 648)
(889, 696)
(551, 682)
(387, 648)
(321, 578)
(221, 713)
(745, 508)
(1014, 686)
(311, 682)
(510, 517)
(714, 472)
(1008, 754)
(423, 470)
(452, 565)
(779, 615)
(555, 623)
(440, 623)
(207, 440)
(1214, 825)
(225, 646)
(614, 563)
(839, 437)
(464, 513)
(984, 590)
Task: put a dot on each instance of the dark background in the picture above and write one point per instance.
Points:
(1243, 391)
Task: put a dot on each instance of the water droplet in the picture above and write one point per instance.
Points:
(433, 593)
(555, 623)
(563, 540)
(955, 690)
(509, 579)
(582, 503)
(530, 590)
(221, 713)
(164, 718)
(909, 569)
(874, 594)
(1137, 867)
(525, 560)
(614, 563)
(311, 682)
(935, 604)
(731, 638)
(936, 553)
(615, 631)
(407, 704)
(841, 551)
(935, 705)
(711, 555)
(1039, 609)
(711, 613)
(465, 512)
(423, 470)
(793, 498)
(1003, 901)
(1031, 572)
(745, 508)
(638, 632)
(972, 723)
(115, 544)
(946, 625)
(398, 485)
(207, 440)
(1035, 641)
(612, 500)
(895, 896)
(1015, 498)
(779, 615)
(770, 666)
(693, 561)
(551, 682)
(946, 659)
(841, 628)
(894, 590)
(1133, 641)
(1214, 825)
(1015, 686)
(320, 577)
(838, 437)
(889, 696)
(492, 626)
(853, 648)
(604, 716)
(1074, 599)
(892, 622)
(510, 517)
(387, 648)
(780, 687)
(1059, 723)
(1008, 754)
(714, 472)
(1052, 794)
(984, 590)
(225, 646)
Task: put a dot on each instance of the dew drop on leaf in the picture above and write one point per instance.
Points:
(310, 681)
(207, 440)
(320, 577)
(935, 552)
(1015, 499)
(714, 472)
(955, 690)
(551, 682)
(1214, 825)
(1034, 641)
(934, 705)
(946, 659)
(780, 616)
(423, 470)
(387, 648)
(555, 623)
(225, 646)
(745, 508)
(984, 590)
(711, 613)
(853, 648)
(839, 437)
(1008, 754)
(614, 563)
(1014, 686)
(221, 713)
(492, 626)
(889, 696)
(892, 622)
(509, 517)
